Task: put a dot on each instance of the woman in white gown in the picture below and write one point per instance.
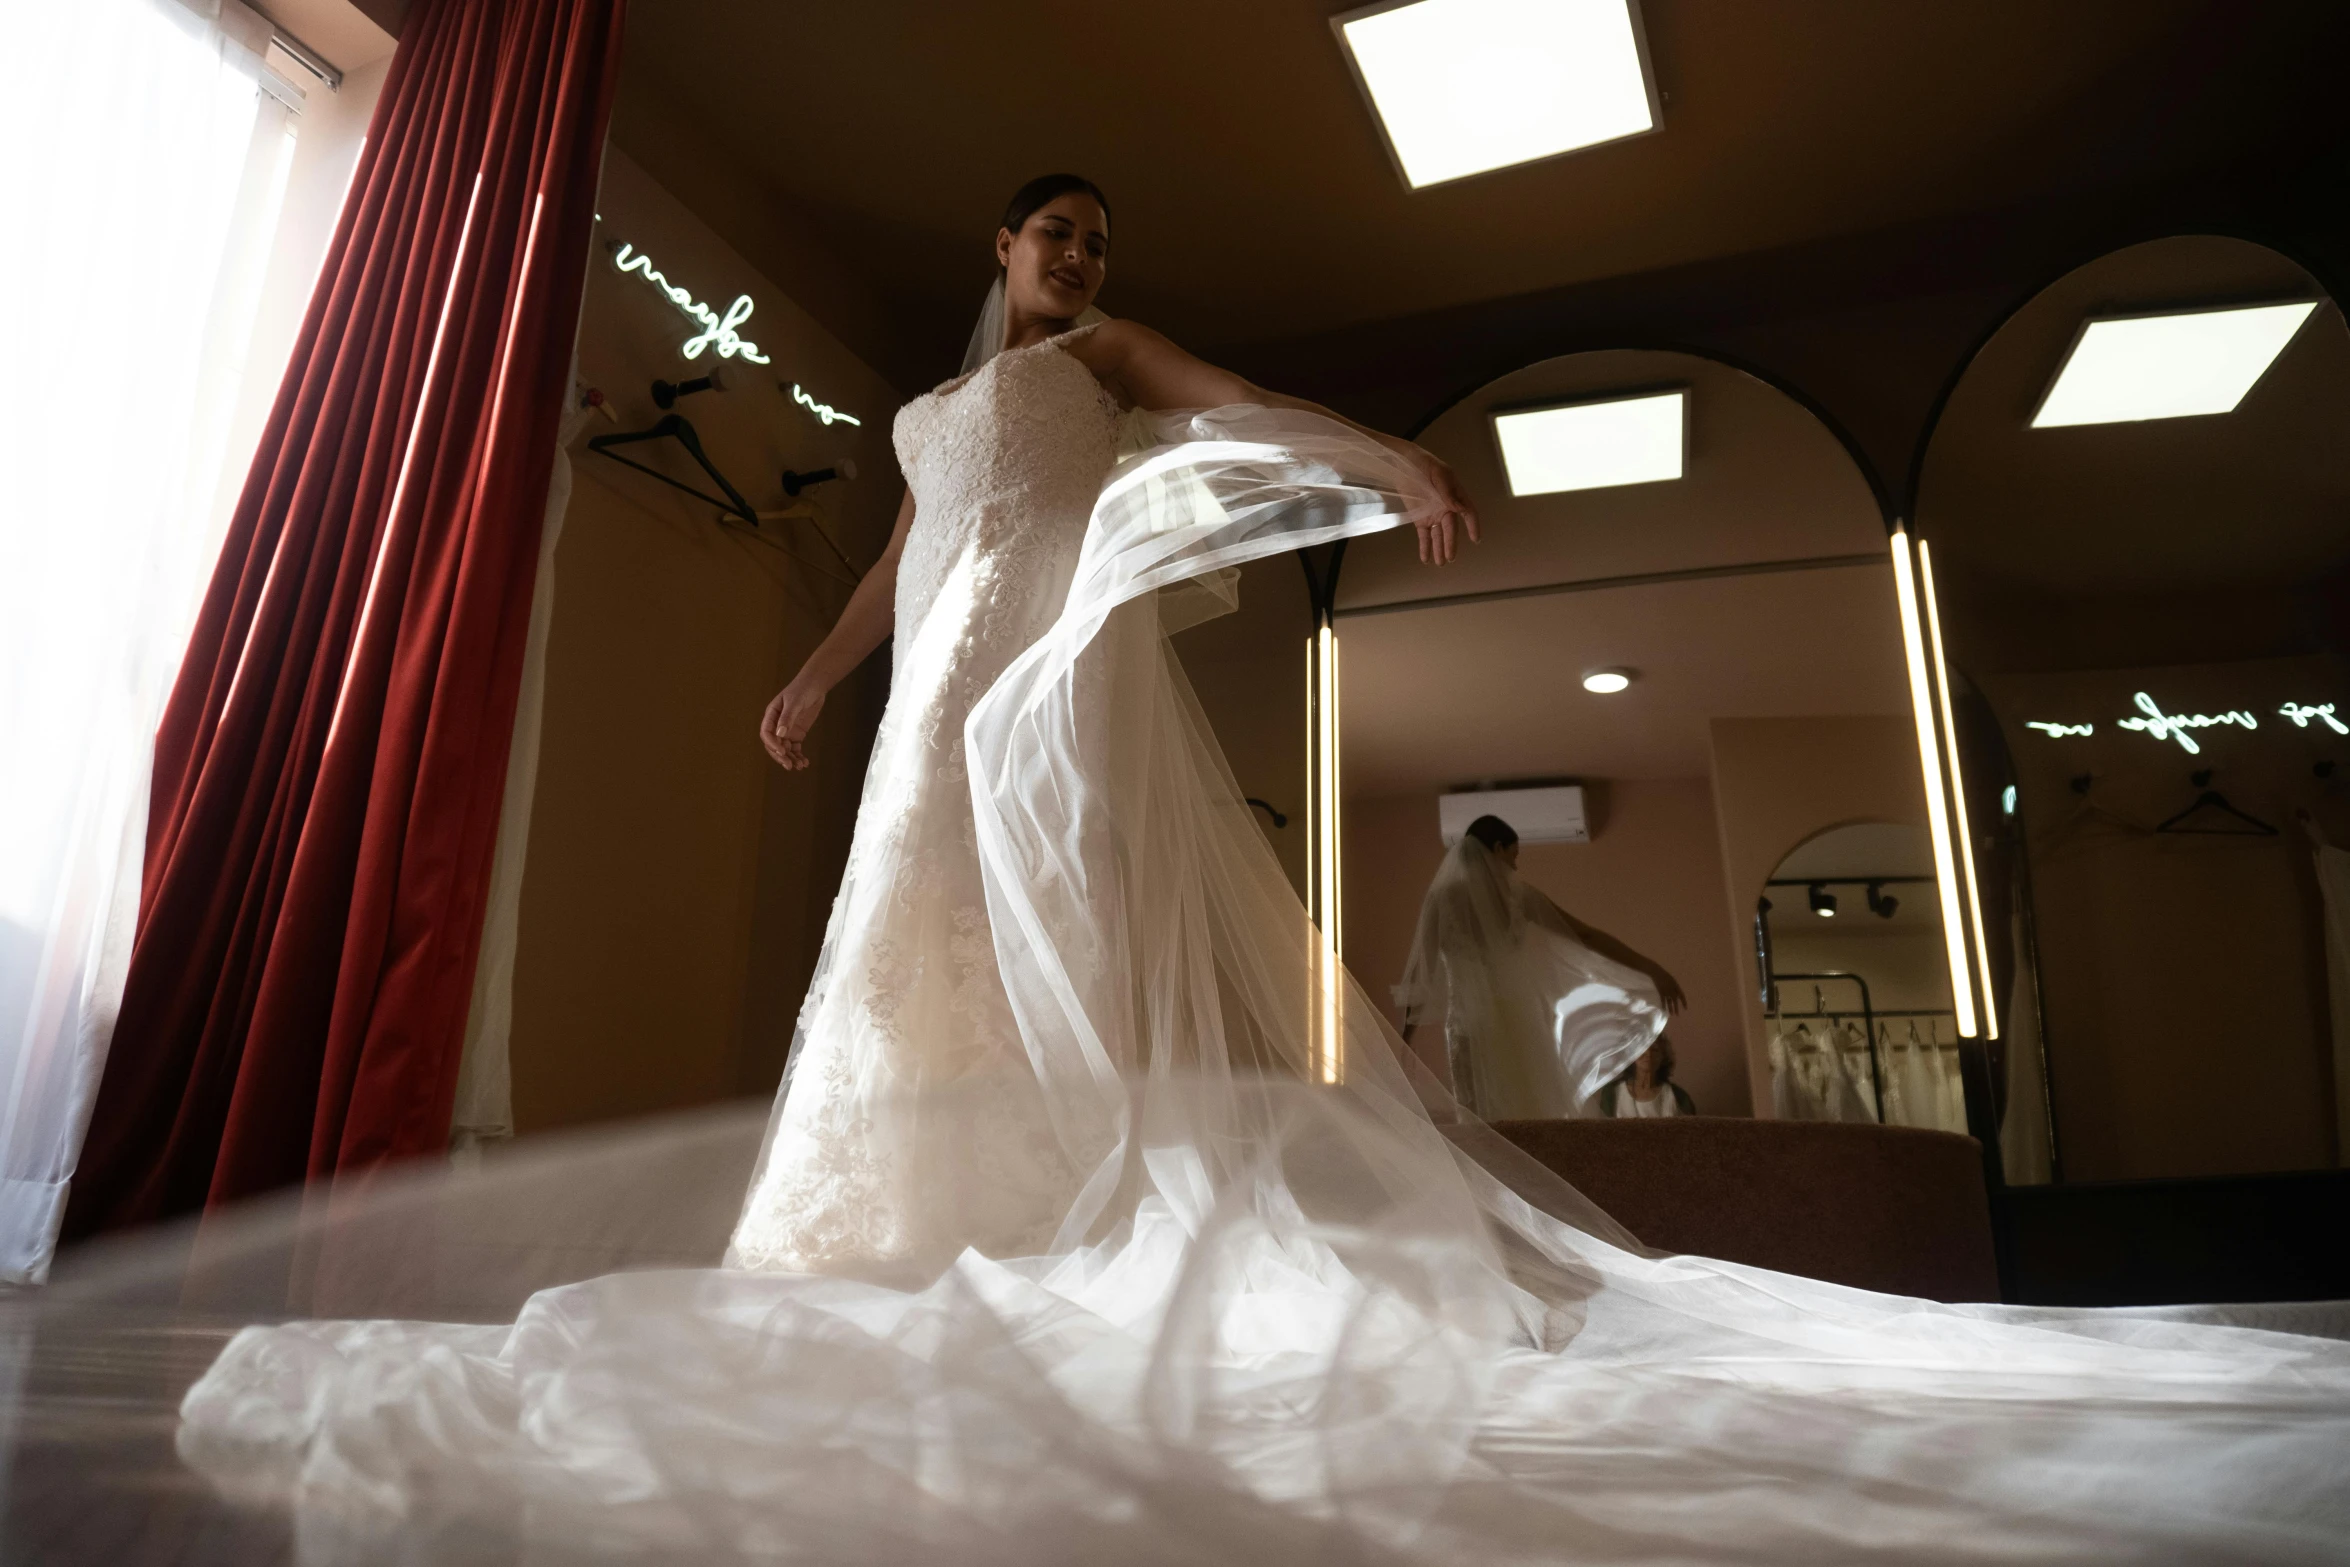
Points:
(914, 1124)
(1102, 1218)
(1538, 1010)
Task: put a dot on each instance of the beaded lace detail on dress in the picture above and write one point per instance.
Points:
(912, 1125)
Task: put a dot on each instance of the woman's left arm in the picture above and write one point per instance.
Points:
(1152, 372)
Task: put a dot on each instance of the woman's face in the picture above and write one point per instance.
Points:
(1054, 266)
(1509, 855)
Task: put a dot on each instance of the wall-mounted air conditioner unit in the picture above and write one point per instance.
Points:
(1552, 815)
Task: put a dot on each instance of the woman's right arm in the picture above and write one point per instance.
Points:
(862, 627)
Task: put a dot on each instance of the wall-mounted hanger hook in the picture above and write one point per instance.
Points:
(1280, 819)
(666, 393)
(793, 482)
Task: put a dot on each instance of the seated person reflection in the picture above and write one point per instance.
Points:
(1648, 1089)
(1539, 1009)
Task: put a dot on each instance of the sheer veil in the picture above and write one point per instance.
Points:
(1535, 1023)
(1301, 1302)
(987, 334)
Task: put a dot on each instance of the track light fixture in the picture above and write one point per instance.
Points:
(1823, 902)
(1882, 903)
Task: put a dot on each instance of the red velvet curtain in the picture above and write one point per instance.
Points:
(329, 771)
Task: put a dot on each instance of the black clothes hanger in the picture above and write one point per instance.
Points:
(675, 427)
(2091, 811)
(2212, 800)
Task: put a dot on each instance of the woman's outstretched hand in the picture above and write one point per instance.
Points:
(1439, 541)
(1668, 991)
(787, 722)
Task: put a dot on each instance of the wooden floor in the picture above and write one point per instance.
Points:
(89, 1406)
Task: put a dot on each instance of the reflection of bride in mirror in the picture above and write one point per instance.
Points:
(1539, 1010)
(1103, 1218)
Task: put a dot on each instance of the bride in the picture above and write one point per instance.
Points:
(1103, 1217)
(911, 1074)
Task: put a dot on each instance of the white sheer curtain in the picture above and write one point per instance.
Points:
(145, 169)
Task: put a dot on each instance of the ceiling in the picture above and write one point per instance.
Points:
(1453, 693)
(860, 154)
(1438, 699)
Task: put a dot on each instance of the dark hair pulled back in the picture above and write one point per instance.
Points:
(1047, 188)
(1493, 832)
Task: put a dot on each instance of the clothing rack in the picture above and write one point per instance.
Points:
(1889, 1012)
(1868, 1014)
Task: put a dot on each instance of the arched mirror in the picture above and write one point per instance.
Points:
(1675, 658)
(2137, 508)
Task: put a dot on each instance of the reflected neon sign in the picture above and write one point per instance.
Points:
(2160, 725)
(2156, 724)
(2323, 713)
(718, 331)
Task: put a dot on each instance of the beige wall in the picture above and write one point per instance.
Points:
(1907, 969)
(1778, 782)
(1651, 876)
(676, 883)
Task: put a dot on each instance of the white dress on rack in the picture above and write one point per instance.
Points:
(1104, 1218)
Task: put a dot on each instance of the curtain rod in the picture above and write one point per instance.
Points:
(302, 54)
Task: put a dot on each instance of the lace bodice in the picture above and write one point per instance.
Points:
(912, 1124)
(1004, 464)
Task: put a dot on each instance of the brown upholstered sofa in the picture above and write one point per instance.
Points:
(1880, 1207)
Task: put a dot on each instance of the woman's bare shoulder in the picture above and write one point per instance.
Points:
(1113, 343)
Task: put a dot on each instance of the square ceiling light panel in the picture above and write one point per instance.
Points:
(1463, 86)
(2172, 366)
(1594, 445)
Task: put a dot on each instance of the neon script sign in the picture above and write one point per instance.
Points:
(2323, 713)
(717, 331)
(2156, 724)
(823, 411)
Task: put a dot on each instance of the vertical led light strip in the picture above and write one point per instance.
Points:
(1966, 836)
(1325, 870)
(1337, 800)
(1921, 701)
(1313, 780)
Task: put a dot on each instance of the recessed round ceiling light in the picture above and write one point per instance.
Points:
(1607, 682)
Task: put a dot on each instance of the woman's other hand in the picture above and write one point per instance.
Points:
(789, 717)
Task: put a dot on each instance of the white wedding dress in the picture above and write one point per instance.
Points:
(1100, 1219)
